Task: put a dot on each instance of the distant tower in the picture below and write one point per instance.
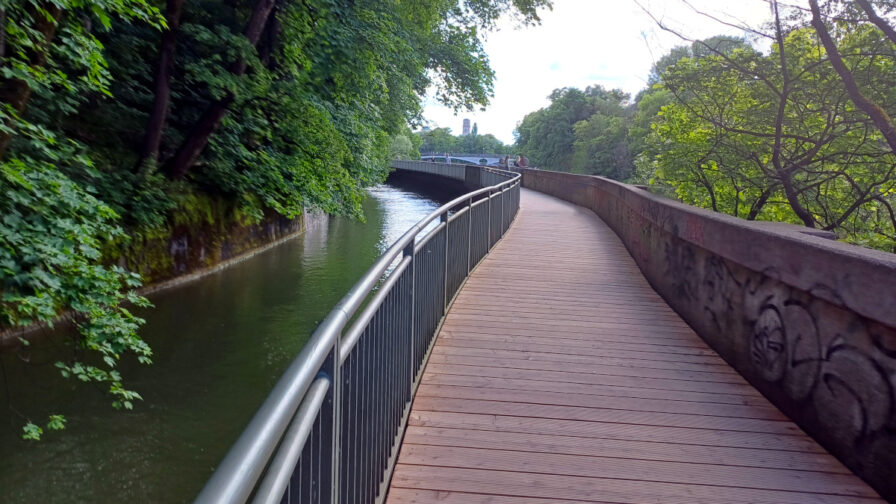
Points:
(466, 130)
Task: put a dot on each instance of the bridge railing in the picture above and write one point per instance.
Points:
(330, 429)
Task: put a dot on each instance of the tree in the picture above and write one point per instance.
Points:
(438, 140)
(404, 145)
(648, 104)
(115, 118)
(720, 43)
(874, 110)
(53, 229)
(162, 85)
(777, 137)
(580, 131)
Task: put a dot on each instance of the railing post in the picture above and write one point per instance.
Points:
(409, 252)
(328, 484)
(503, 192)
(488, 242)
(469, 235)
(444, 218)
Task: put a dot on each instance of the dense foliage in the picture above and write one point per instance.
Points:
(441, 140)
(580, 131)
(799, 133)
(116, 115)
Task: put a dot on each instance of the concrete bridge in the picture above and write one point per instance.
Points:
(463, 158)
(562, 338)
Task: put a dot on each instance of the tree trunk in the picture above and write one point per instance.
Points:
(874, 111)
(268, 43)
(2, 34)
(794, 201)
(149, 151)
(757, 205)
(198, 138)
(16, 92)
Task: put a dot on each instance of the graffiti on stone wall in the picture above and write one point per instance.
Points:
(824, 354)
(816, 352)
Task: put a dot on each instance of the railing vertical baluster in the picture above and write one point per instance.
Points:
(412, 306)
(350, 416)
(334, 444)
(305, 481)
(378, 465)
(489, 234)
(317, 488)
(444, 220)
(503, 192)
(367, 464)
(380, 382)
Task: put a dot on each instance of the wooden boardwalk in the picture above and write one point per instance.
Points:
(559, 375)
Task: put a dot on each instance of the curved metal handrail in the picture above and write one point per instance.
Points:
(239, 472)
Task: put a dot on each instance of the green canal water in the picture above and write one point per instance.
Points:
(220, 343)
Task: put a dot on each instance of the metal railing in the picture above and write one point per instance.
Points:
(330, 430)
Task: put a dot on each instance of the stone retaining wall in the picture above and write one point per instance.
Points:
(192, 251)
(809, 321)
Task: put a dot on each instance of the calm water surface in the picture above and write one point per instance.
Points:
(220, 344)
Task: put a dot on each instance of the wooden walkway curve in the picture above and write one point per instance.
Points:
(559, 375)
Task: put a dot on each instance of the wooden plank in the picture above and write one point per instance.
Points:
(606, 368)
(592, 355)
(576, 305)
(753, 401)
(615, 448)
(415, 496)
(511, 337)
(593, 378)
(614, 325)
(623, 402)
(559, 375)
(586, 314)
(597, 414)
(631, 360)
(758, 478)
(574, 346)
(612, 430)
(577, 489)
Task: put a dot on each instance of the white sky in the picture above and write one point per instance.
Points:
(583, 42)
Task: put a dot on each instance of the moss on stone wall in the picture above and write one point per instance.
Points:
(201, 232)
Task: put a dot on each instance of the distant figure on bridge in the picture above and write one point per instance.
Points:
(522, 161)
(506, 162)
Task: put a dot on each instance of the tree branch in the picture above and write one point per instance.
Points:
(198, 138)
(875, 112)
(877, 20)
(155, 124)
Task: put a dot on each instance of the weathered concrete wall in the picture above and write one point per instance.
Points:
(809, 321)
(453, 171)
(192, 250)
(425, 184)
(473, 176)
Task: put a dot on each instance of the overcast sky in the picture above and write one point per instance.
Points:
(584, 42)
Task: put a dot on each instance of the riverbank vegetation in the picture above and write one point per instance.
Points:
(117, 117)
(799, 132)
